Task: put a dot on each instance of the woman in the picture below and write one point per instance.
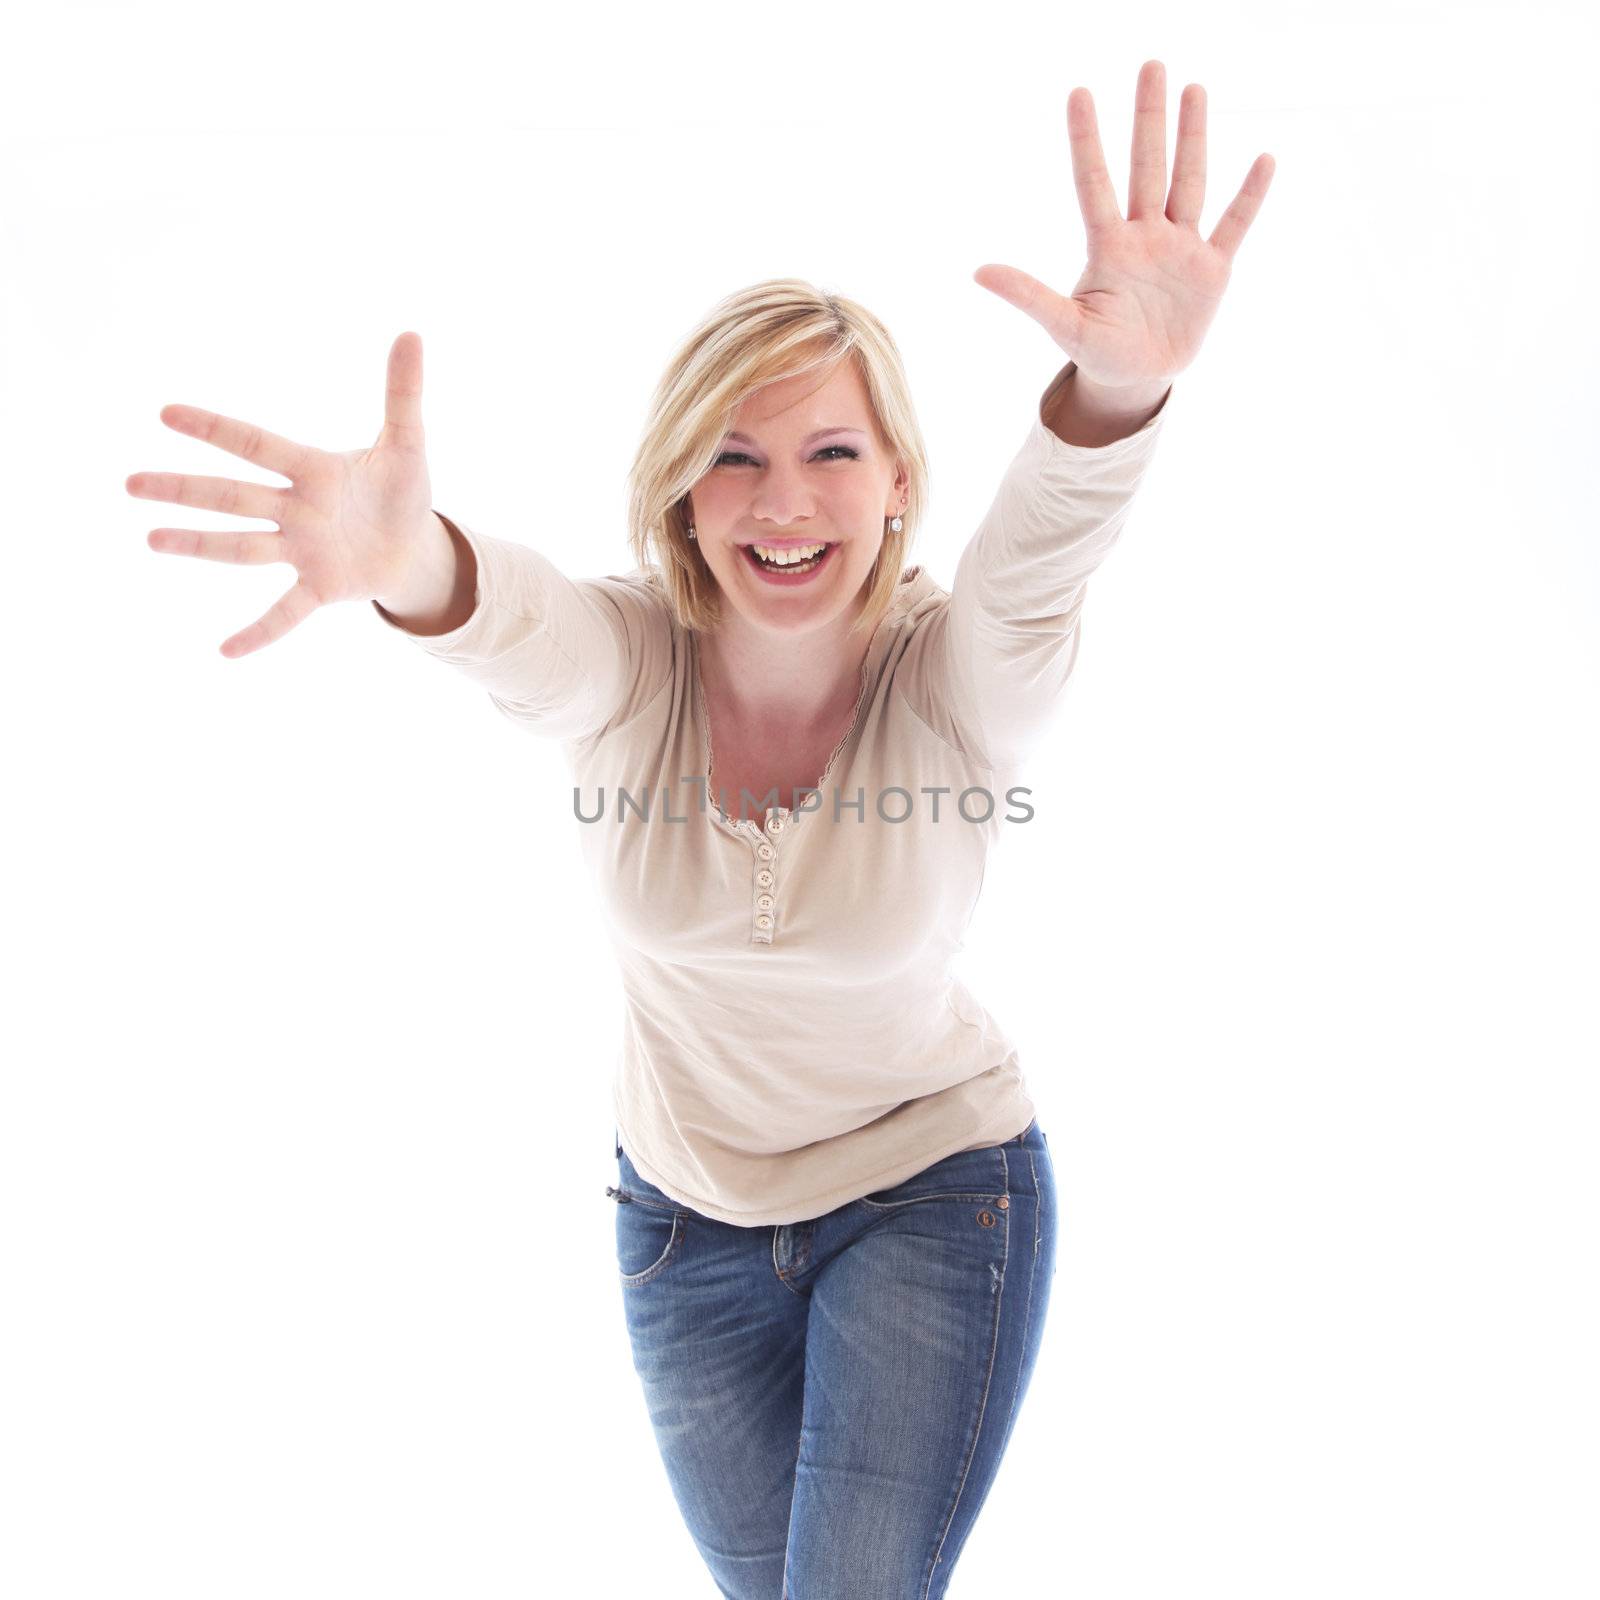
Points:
(836, 1217)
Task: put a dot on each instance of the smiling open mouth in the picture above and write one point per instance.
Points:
(791, 570)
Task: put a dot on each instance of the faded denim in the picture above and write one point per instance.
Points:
(832, 1398)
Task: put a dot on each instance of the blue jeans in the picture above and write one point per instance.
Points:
(832, 1398)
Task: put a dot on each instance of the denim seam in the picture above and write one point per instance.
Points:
(983, 1404)
(1027, 1312)
(1038, 1204)
(919, 1199)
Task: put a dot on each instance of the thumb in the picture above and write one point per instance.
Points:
(1061, 317)
(402, 399)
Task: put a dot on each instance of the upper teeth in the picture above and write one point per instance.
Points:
(799, 552)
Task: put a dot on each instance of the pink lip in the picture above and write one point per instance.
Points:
(784, 544)
(788, 580)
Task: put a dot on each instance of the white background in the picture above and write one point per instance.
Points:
(308, 1269)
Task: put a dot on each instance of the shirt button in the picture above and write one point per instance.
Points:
(764, 878)
(774, 823)
(765, 901)
(763, 922)
(765, 851)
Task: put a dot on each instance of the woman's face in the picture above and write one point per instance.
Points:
(808, 468)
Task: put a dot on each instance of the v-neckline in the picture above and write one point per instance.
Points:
(792, 819)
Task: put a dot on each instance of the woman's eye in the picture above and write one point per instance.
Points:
(739, 455)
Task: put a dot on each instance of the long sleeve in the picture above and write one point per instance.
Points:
(561, 657)
(996, 659)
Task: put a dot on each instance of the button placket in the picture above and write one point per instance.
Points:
(766, 878)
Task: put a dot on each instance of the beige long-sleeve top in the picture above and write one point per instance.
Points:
(795, 1036)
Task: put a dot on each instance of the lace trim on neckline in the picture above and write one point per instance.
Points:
(708, 755)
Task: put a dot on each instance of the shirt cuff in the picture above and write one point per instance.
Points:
(484, 590)
(1045, 439)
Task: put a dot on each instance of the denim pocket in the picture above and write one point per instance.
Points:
(649, 1237)
(650, 1225)
(967, 1175)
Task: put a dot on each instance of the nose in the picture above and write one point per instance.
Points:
(782, 501)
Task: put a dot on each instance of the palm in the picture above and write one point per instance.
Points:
(350, 523)
(370, 495)
(1140, 310)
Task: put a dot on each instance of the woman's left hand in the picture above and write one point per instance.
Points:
(1138, 314)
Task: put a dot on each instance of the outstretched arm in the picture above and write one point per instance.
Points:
(1005, 646)
(1135, 319)
(559, 656)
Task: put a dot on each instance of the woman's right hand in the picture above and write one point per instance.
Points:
(350, 524)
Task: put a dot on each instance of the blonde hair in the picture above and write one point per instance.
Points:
(775, 329)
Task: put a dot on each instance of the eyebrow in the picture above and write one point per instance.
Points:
(744, 438)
